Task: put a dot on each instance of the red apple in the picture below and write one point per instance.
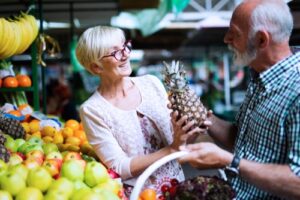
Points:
(15, 159)
(31, 163)
(52, 167)
(36, 154)
(113, 174)
(21, 155)
(72, 155)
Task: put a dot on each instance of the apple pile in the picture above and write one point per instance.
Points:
(38, 170)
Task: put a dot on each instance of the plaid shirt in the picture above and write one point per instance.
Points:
(269, 123)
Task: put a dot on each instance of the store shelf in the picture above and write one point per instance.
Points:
(18, 89)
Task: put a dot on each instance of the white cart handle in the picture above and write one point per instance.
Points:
(147, 173)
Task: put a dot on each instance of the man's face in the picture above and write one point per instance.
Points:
(246, 57)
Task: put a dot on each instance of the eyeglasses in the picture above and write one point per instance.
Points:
(120, 53)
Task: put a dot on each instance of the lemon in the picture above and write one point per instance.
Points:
(34, 126)
(49, 131)
(26, 127)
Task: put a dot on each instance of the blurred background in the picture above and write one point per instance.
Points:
(191, 31)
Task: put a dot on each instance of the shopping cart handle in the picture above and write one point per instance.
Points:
(147, 173)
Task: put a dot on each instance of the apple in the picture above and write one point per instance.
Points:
(12, 183)
(110, 185)
(39, 178)
(106, 194)
(4, 195)
(80, 193)
(79, 184)
(49, 147)
(72, 155)
(35, 140)
(32, 163)
(30, 193)
(15, 159)
(53, 195)
(3, 167)
(52, 166)
(10, 144)
(62, 185)
(91, 195)
(35, 154)
(54, 154)
(113, 174)
(19, 169)
(21, 155)
(27, 147)
(19, 142)
(72, 170)
(95, 173)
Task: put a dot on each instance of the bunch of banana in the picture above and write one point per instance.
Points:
(47, 44)
(17, 34)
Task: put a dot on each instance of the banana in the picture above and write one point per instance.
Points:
(15, 40)
(7, 39)
(27, 34)
(31, 19)
(41, 47)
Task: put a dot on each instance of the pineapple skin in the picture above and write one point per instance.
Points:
(186, 102)
(12, 127)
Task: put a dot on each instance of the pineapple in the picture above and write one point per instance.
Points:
(11, 127)
(186, 101)
(4, 154)
(2, 138)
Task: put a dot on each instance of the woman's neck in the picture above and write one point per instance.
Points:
(115, 89)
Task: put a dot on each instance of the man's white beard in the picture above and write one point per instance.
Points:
(243, 59)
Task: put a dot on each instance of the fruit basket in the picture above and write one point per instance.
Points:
(222, 185)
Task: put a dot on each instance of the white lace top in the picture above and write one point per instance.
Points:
(117, 135)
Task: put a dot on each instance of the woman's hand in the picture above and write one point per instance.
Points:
(183, 130)
(205, 155)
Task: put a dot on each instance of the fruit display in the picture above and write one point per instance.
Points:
(17, 34)
(200, 188)
(186, 102)
(37, 170)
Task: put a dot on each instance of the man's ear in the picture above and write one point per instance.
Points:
(262, 39)
(96, 68)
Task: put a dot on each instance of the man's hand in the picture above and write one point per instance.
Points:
(205, 155)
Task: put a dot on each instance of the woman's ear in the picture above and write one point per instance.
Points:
(262, 39)
(96, 68)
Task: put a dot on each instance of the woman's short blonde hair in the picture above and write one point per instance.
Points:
(96, 42)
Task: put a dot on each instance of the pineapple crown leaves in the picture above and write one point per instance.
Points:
(4, 64)
(175, 79)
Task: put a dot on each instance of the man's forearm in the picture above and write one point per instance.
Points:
(223, 132)
(276, 179)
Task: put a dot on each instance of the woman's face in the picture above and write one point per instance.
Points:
(116, 62)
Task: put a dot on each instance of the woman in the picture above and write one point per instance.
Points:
(126, 119)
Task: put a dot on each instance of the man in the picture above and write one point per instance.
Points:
(262, 156)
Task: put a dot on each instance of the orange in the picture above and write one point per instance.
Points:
(10, 82)
(23, 80)
(80, 134)
(73, 124)
(26, 127)
(34, 126)
(67, 132)
(148, 194)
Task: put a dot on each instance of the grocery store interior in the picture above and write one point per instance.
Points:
(190, 31)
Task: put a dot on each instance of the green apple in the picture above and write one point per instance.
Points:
(4, 195)
(54, 154)
(12, 182)
(39, 178)
(3, 167)
(106, 194)
(93, 196)
(19, 142)
(95, 173)
(15, 159)
(53, 195)
(27, 147)
(80, 193)
(72, 170)
(71, 155)
(10, 144)
(62, 185)
(49, 147)
(110, 185)
(35, 140)
(30, 193)
(20, 169)
(79, 184)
